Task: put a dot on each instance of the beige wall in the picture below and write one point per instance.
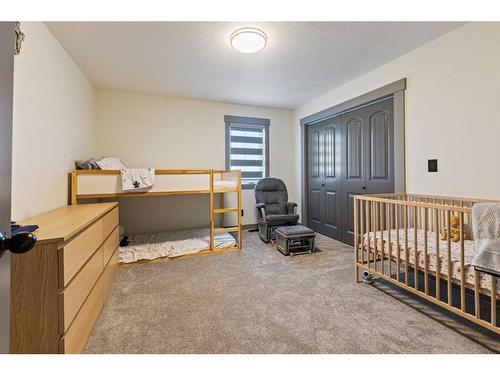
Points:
(53, 122)
(452, 111)
(164, 132)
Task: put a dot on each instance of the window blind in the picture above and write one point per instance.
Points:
(248, 151)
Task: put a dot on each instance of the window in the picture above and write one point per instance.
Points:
(247, 148)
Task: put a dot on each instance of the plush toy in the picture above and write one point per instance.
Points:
(454, 229)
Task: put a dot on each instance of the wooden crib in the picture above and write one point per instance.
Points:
(407, 240)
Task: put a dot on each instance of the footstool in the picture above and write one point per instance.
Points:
(295, 239)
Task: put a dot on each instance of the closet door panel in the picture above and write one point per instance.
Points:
(314, 206)
(314, 153)
(379, 145)
(329, 150)
(354, 148)
(380, 155)
(331, 211)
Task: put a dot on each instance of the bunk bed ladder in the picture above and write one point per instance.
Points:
(214, 211)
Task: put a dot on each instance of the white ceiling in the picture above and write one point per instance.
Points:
(194, 59)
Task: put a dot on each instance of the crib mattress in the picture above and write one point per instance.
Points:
(171, 244)
(485, 280)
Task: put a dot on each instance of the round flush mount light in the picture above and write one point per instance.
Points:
(248, 40)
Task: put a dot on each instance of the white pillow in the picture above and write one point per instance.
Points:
(111, 163)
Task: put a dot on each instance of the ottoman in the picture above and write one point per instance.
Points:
(295, 239)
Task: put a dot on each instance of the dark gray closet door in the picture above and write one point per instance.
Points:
(354, 167)
(324, 180)
(368, 147)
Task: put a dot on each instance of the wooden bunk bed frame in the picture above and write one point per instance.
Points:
(376, 216)
(212, 191)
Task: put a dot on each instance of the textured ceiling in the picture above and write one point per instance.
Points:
(194, 59)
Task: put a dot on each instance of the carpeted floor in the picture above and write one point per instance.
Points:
(259, 301)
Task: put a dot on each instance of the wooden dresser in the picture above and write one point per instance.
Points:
(58, 289)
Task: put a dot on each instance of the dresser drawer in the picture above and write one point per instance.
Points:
(110, 273)
(110, 245)
(109, 222)
(79, 250)
(73, 296)
(76, 337)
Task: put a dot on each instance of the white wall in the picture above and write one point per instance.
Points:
(53, 122)
(164, 132)
(452, 111)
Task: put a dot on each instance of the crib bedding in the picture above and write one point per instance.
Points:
(485, 280)
(172, 244)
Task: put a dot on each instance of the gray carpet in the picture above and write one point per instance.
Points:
(259, 301)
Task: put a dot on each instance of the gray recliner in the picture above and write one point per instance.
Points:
(274, 210)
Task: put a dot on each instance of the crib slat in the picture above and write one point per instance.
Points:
(382, 246)
(426, 257)
(438, 256)
(448, 227)
(493, 301)
(368, 229)
(476, 294)
(415, 248)
(362, 231)
(462, 262)
(398, 248)
(356, 241)
(389, 240)
(407, 279)
(375, 222)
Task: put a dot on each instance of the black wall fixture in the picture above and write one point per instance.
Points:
(432, 165)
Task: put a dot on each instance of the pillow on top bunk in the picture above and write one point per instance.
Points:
(111, 163)
(87, 164)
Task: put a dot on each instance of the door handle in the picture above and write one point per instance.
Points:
(322, 184)
(364, 188)
(19, 243)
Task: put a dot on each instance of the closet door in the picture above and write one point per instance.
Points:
(325, 177)
(354, 145)
(315, 213)
(368, 148)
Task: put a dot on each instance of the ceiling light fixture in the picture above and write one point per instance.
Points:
(248, 40)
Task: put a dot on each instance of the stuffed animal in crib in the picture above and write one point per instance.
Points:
(454, 229)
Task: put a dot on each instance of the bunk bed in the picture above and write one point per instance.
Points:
(97, 184)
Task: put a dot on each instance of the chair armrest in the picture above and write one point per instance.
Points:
(261, 208)
(290, 207)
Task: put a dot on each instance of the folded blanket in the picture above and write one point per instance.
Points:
(137, 179)
(486, 229)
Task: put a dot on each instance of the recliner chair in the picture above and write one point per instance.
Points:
(274, 210)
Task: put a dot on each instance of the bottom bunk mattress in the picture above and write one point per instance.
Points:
(172, 244)
(484, 282)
